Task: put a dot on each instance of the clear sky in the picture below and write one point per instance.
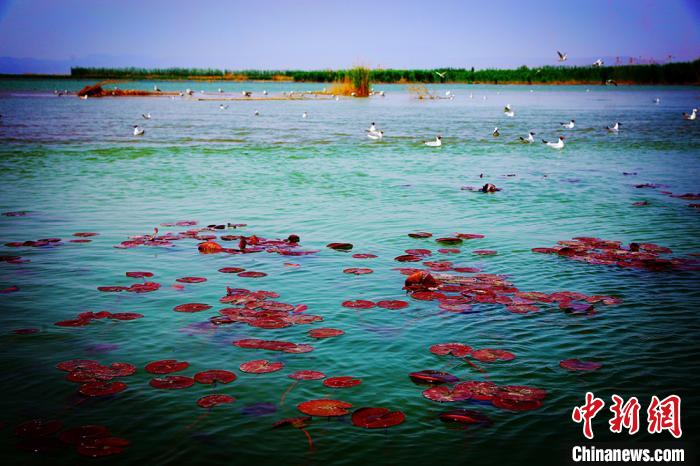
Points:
(320, 34)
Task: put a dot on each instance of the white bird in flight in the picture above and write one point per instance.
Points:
(562, 56)
(436, 143)
(569, 125)
(693, 115)
(598, 63)
(442, 75)
(146, 116)
(614, 128)
(529, 139)
(138, 131)
(508, 111)
(555, 145)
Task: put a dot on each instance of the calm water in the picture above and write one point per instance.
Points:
(74, 166)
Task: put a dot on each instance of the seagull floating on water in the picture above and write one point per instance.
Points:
(436, 143)
(508, 111)
(138, 131)
(569, 125)
(611, 82)
(256, 113)
(221, 90)
(223, 107)
(614, 128)
(84, 97)
(529, 139)
(555, 145)
(155, 88)
(146, 116)
(304, 115)
(495, 132)
(264, 92)
(657, 100)
(562, 56)
(693, 115)
(375, 135)
(372, 128)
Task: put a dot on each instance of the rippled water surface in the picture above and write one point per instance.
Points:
(74, 166)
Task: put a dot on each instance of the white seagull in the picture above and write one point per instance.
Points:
(562, 56)
(155, 88)
(146, 116)
(375, 135)
(221, 90)
(304, 115)
(84, 97)
(693, 115)
(614, 128)
(138, 131)
(442, 75)
(529, 139)
(598, 63)
(223, 107)
(256, 113)
(264, 92)
(569, 125)
(495, 132)
(555, 145)
(657, 100)
(508, 111)
(436, 143)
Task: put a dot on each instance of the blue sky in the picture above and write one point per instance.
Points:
(314, 34)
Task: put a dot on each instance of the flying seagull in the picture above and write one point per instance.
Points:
(442, 75)
(562, 56)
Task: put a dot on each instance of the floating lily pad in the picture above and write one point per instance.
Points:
(324, 408)
(377, 418)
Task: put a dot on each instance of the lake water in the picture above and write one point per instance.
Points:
(74, 166)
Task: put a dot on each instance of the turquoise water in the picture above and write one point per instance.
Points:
(74, 166)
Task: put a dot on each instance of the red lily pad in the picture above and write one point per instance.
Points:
(449, 240)
(420, 234)
(231, 270)
(209, 401)
(101, 388)
(214, 376)
(408, 258)
(515, 405)
(191, 280)
(307, 375)
(426, 295)
(418, 252)
(432, 377)
(444, 394)
(25, 331)
(491, 355)
(73, 323)
(520, 393)
(112, 289)
(364, 256)
(482, 391)
(377, 418)
(80, 241)
(166, 366)
(358, 271)
(324, 408)
(578, 365)
(465, 416)
(139, 274)
(469, 235)
(392, 304)
(171, 382)
(466, 269)
(85, 234)
(101, 447)
(449, 251)
(458, 350)
(74, 364)
(38, 428)
(261, 366)
(359, 304)
(81, 434)
(252, 274)
(9, 289)
(191, 307)
(522, 308)
(325, 332)
(342, 382)
(485, 252)
(340, 246)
